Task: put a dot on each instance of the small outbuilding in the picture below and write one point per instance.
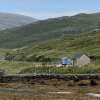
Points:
(81, 60)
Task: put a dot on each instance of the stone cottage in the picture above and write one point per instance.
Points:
(81, 60)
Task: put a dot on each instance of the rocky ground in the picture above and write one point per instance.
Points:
(48, 90)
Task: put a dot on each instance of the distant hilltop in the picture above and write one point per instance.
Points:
(8, 20)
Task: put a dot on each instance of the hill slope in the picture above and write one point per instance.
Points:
(88, 43)
(8, 20)
(48, 29)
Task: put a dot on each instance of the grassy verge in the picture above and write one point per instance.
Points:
(54, 70)
(14, 67)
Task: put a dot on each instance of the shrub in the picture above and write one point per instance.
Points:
(93, 82)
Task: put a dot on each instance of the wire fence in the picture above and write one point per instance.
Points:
(55, 69)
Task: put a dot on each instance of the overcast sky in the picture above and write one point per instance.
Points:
(42, 9)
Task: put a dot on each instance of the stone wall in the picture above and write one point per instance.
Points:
(28, 78)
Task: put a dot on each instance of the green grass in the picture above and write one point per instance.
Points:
(14, 67)
(30, 68)
(4, 51)
(62, 70)
(88, 43)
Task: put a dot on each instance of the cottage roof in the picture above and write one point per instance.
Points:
(78, 55)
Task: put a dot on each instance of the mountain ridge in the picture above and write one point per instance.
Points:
(9, 20)
(45, 30)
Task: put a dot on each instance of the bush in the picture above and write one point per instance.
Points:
(93, 82)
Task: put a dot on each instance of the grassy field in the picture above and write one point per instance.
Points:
(15, 67)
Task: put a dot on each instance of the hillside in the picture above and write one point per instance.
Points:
(88, 43)
(8, 20)
(46, 30)
(68, 45)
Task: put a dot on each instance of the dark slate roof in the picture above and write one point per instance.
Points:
(77, 56)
